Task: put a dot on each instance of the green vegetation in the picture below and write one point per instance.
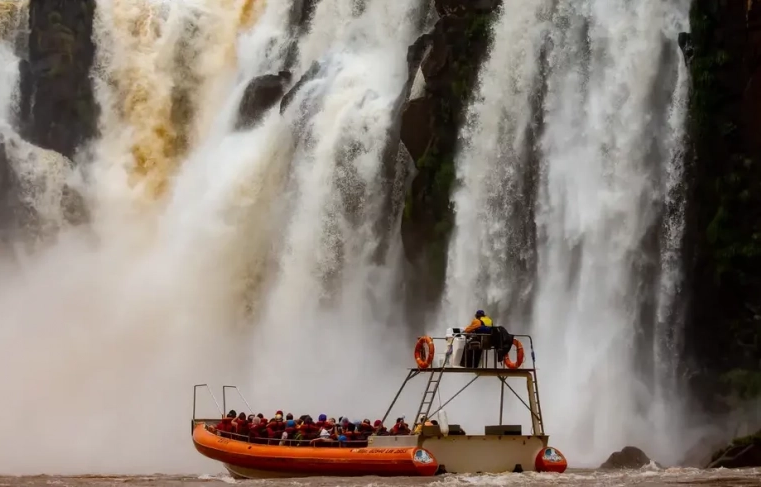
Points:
(727, 196)
(429, 206)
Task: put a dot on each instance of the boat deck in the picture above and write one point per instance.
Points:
(488, 371)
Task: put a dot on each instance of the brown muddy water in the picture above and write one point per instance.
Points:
(645, 477)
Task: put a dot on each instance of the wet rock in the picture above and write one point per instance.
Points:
(685, 44)
(464, 7)
(700, 454)
(261, 94)
(308, 76)
(7, 194)
(417, 131)
(395, 168)
(629, 457)
(301, 14)
(430, 128)
(299, 19)
(57, 108)
(741, 453)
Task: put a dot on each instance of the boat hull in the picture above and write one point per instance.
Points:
(475, 453)
(247, 460)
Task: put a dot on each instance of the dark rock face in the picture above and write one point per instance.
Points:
(430, 124)
(396, 169)
(741, 453)
(629, 457)
(300, 16)
(685, 44)
(261, 94)
(8, 198)
(311, 73)
(464, 7)
(723, 238)
(57, 109)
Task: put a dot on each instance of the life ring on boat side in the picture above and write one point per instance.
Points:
(424, 352)
(521, 356)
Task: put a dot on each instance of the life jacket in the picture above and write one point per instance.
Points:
(486, 321)
(225, 425)
(309, 430)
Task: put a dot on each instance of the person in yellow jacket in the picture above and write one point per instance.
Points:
(481, 323)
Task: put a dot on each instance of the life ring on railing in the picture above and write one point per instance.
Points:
(424, 352)
(521, 356)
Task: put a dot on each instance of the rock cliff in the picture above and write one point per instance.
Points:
(723, 333)
(57, 108)
(430, 125)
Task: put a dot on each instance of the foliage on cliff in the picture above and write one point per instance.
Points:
(57, 108)
(430, 129)
(724, 331)
(740, 453)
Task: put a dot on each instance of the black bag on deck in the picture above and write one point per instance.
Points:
(502, 341)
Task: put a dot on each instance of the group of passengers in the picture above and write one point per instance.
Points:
(290, 431)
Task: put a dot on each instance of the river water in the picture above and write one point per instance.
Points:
(644, 477)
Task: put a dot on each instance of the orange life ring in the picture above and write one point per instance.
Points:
(423, 354)
(521, 356)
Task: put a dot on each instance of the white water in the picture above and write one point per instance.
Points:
(235, 262)
(608, 158)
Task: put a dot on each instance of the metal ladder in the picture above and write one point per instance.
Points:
(432, 388)
(540, 418)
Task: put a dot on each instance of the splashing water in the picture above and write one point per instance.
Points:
(247, 257)
(572, 147)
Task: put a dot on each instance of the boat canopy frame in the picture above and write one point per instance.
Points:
(502, 373)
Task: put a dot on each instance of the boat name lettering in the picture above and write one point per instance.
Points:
(223, 441)
(379, 450)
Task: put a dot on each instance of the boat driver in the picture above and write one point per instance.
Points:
(481, 324)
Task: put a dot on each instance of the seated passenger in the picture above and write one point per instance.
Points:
(226, 425)
(400, 428)
(481, 323)
(289, 432)
(351, 432)
(423, 421)
(327, 433)
(309, 430)
(344, 423)
(379, 429)
(321, 419)
(276, 426)
(241, 424)
(256, 429)
(365, 429)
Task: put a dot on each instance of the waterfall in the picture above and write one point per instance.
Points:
(568, 216)
(257, 256)
(218, 240)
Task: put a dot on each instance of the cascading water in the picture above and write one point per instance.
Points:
(212, 255)
(571, 153)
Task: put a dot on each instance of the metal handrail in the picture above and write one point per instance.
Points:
(530, 342)
(195, 394)
(224, 397)
(277, 441)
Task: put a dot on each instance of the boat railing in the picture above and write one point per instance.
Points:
(484, 362)
(208, 389)
(326, 443)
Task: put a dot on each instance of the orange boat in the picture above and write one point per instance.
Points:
(431, 449)
(247, 460)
